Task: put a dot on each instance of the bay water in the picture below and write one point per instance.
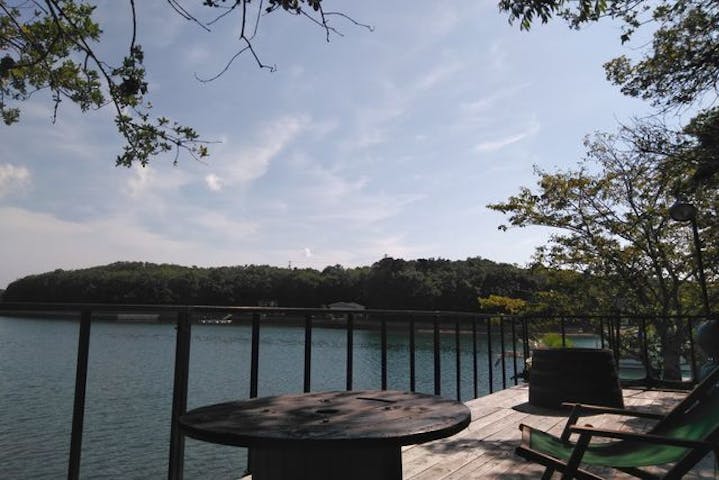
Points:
(129, 388)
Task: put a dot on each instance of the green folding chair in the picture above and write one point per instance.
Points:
(682, 438)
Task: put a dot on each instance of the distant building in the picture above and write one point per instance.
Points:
(343, 306)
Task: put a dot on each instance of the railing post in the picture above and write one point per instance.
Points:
(383, 353)
(78, 411)
(255, 355)
(308, 353)
(617, 340)
(514, 349)
(645, 348)
(350, 350)
(412, 360)
(179, 395)
(525, 335)
(503, 353)
(474, 357)
(611, 338)
(437, 359)
(562, 326)
(692, 354)
(489, 355)
(458, 365)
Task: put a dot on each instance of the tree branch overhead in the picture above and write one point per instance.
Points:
(42, 40)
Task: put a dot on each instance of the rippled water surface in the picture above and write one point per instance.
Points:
(129, 388)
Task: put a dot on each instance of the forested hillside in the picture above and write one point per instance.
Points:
(389, 283)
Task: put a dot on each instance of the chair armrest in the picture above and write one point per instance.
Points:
(579, 408)
(595, 409)
(641, 437)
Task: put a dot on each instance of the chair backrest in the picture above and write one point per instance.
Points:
(697, 416)
(694, 418)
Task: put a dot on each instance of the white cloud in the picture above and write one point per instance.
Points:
(494, 145)
(13, 178)
(372, 122)
(198, 54)
(328, 187)
(484, 104)
(252, 162)
(138, 183)
(498, 56)
(78, 244)
(37, 111)
(74, 137)
(307, 252)
(394, 246)
(35, 242)
(438, 74)
(498, 144)
(155, 182)
(213, 182)
(325, 196)
(221, 225)
(362, 211)
(376, 122)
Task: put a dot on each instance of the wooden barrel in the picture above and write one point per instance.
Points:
(580, 375)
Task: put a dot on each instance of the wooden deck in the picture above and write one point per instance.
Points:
(485, 450)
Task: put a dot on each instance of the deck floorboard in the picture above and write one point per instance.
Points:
(485, 450)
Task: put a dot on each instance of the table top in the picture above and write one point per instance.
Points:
(377, 418)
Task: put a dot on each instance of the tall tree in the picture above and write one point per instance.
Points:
(678, 69)
(53, 45)
(610, 218)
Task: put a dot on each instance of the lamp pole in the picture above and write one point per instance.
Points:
(683, 211)
(708, 331)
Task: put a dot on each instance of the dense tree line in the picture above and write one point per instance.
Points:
(389, 283)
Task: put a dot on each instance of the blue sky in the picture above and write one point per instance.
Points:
(378, 143)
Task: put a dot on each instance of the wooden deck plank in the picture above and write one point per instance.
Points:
(485, 450)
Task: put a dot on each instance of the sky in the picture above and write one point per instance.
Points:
(383, 143)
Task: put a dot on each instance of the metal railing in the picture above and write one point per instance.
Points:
(631, 337)
(507, 338)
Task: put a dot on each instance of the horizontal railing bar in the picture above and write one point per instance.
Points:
(428, 314)
(114, 308)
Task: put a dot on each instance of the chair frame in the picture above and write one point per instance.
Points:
(570, 469)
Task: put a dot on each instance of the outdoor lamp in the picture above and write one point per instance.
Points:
(708, 331)
(682, 211)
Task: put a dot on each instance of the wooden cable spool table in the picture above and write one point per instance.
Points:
(353, 435)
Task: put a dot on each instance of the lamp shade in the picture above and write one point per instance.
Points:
(682, 211)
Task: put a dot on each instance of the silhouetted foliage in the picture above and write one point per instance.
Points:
(390, 283)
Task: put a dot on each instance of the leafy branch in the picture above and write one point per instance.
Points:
(51, 45)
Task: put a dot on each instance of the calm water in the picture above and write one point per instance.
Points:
(129, 392)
